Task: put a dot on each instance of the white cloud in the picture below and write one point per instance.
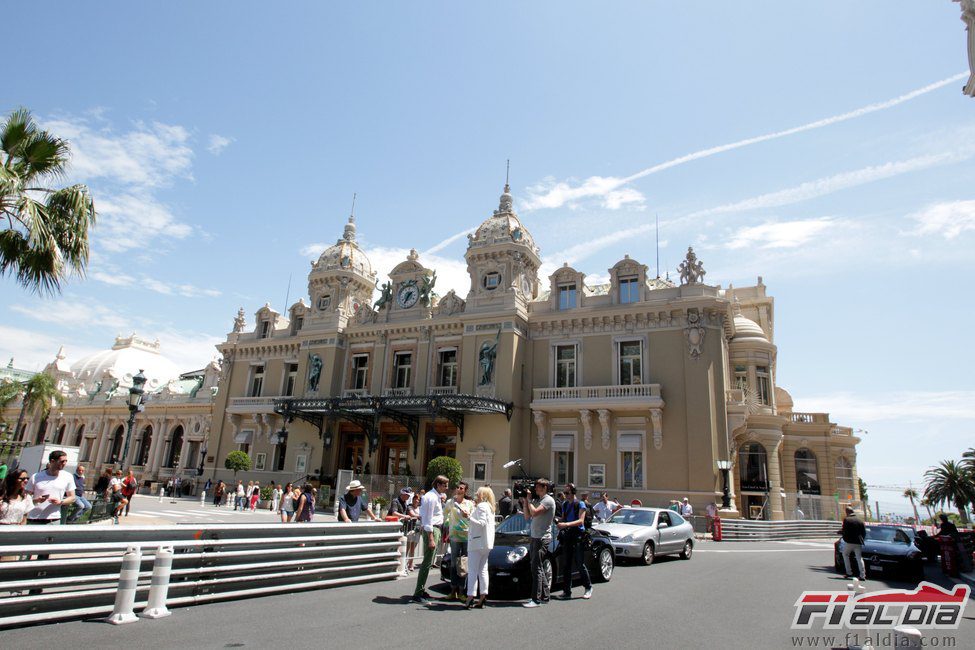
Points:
(148, 156)
(552, 194)
(782, 234)
(217, 143)
(133, 220)
(900, 406)
(625, 196)
(948, 219)
(177, 289)
(72, 313)
(188, 350)
(313, 250)
(32, 350)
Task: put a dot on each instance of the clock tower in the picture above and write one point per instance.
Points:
(411, 290)
(339, 282)
(502, 260)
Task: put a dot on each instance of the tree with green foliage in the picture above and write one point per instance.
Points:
(40, 395)
(237, 461)
(43, 231)
(449, 467)
(862, 485)
(950, 482)
(911, 495)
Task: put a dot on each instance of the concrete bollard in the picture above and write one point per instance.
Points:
(128, 580)
(203, 497)
(162, 569)
(162, 493)
(907, 637)
(402, 558)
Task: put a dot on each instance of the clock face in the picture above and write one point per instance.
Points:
(407, 296)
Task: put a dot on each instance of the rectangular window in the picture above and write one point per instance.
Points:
(259, 462)
(280, 451)
(402, 367)
(741, 378)
(630, 354)
(764, 391)
(629, 290)
(256, 382)
(360, 371)
(563, 467)
(296, 325)
(480, 471)
(567, 296)
(632, 462)
(290, 378)
(265, 329)
(447, 368)
(301, 463)
(565, 366)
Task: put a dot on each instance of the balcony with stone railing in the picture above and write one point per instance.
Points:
(809, 418)
(597, 397)
(398, 392)
(355, 392)
(443, 390)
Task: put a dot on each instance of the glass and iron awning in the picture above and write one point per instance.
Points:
(366, 411)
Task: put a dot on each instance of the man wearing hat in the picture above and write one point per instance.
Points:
(400, 507)
(353, 504)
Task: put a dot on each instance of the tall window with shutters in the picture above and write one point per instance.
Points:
(565, 366)
(631, 362)
(631, 460)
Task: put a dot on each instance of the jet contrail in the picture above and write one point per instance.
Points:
(603, 186)
(797, 194)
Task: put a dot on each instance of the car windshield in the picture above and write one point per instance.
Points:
(516, 524)
(888, 534)
(633, 517)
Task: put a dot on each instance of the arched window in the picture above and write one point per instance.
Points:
(116, 449)
(844, 479)
(59, 440)
(175, 447)
(807, 472)
(79, 436)
(142, 458)
(753, 467)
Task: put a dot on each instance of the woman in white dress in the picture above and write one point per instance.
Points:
(15, 503)
(480, 541)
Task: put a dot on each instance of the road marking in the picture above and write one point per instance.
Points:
(815, 544)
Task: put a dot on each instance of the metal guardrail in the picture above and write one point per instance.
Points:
(759, 530)
(212, 562)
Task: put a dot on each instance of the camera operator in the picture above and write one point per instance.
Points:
(541, 513)
(572, 533)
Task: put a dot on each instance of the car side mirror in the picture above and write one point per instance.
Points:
(663, 524)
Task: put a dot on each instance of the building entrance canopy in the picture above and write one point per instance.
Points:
(366, 411)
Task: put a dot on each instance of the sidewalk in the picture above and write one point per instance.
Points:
(148, 510)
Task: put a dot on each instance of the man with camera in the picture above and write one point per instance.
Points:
(540, 511)
(572, 540)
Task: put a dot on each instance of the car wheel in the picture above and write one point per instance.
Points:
(688, 549)
(605, 564)
(549, 573)
(647, 556)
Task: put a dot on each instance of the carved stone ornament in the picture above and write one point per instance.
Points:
(691, 269)
(240, 322)
(585, 416)
(365, 315)
(451, 304)
(656, 419)
(539, 417)
(604, 416)
(694, 333)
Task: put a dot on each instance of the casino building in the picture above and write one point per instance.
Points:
(642, 387)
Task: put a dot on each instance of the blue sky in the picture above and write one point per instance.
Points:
(223, 144)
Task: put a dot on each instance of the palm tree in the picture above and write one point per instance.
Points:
(40, 394)
(45, 237)
(911, 494)
(949, 482)
(927, 506)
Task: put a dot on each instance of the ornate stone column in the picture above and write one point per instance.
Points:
(160, 448)
(604, 423)
(539, 417)
(772, 441)
(585, 416)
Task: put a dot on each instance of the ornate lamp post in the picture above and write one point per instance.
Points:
(136, 394)
(725, 467)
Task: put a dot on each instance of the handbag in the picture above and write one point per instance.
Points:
(462, 566)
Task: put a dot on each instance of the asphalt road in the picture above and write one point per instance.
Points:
(729, 595)
(150, 510)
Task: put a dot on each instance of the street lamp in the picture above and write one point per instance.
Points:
(136, 393)
(725, 467)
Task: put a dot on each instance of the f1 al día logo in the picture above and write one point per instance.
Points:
(927, 607)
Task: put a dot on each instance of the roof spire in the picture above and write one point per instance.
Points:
(349, 233)
(352, 214)
(507, 173)
(505, 205)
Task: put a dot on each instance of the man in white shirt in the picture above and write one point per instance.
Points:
(687, 510)
(605, 508)
(55, 487)
(710, 512)
(431, 519)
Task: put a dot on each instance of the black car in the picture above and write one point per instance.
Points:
(510, 568)
(887, 550)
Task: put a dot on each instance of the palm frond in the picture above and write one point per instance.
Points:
(18, 127)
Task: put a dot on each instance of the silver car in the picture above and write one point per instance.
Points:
(645, 533)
